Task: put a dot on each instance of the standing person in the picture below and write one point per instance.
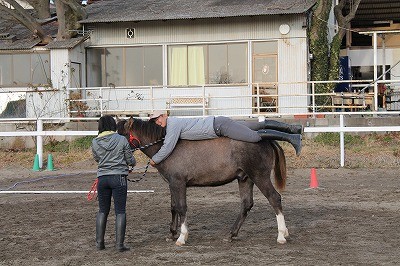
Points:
(220, 126)
(113, 154)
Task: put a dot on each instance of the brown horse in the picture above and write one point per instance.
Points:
(213, 163)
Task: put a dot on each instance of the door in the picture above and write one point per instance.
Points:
(265, 76)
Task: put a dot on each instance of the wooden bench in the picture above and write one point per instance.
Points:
(188, 104)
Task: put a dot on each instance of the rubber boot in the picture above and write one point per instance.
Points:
(294, 139)
(280, 126)
(101, 221)
(120, 226)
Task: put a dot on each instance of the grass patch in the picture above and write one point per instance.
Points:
(79, 144)
(333, 139)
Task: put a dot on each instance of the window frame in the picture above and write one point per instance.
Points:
(45, 72)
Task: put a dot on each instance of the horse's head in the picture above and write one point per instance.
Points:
(123, 129)
(140, 132)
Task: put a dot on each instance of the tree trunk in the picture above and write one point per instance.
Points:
(41, 7)
(319, 47)
(325, 64)
(69, 12)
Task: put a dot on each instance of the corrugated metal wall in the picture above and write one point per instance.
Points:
(292, 50)
(201, 30)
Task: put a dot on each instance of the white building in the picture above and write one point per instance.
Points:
(226, 57)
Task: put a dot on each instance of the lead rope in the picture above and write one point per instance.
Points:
(144, 174)
(93, 191)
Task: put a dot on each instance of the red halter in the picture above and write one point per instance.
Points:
(134, 141)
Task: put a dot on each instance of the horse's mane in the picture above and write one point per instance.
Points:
(146, 128)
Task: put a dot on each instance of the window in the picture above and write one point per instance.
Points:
(29, 69)
(207, 64)
(127, 66)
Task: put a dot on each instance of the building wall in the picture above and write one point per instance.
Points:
(200, 30)
(292, 50)
(51, 102)
(365, 57)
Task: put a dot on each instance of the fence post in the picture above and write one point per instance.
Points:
(341, 140)
(257, 97)
(39, 141)
(313, 97)
(101, 102)
(152, 99)
(204, 100)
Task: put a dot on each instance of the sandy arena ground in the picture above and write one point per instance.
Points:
(353, 219)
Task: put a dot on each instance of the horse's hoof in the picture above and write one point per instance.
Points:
(281, 241)
(286, 234)
(179, 244)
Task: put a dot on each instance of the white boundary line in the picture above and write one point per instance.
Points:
(63, 191)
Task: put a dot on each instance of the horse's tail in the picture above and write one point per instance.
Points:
(280, 166)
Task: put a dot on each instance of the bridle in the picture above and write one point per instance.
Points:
(132, 140)
(138, 146)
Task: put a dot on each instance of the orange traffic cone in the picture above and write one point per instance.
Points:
(313, 179)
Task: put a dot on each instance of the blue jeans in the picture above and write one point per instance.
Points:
(112, 186)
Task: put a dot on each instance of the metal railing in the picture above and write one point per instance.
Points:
(246, 99)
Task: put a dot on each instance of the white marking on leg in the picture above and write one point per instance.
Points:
(183, 236)
(282, 230)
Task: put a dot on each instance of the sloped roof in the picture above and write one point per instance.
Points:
(372, 10)
(23, 38)
(66, 44)
(144, 10)
(24, 44)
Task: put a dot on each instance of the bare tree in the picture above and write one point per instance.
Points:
(325, 63)
(41, 7)
(69, 12)
(14, 9)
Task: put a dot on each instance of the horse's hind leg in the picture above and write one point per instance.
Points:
(274, 198)
(246, 198)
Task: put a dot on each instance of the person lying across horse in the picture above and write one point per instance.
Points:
(220, 126)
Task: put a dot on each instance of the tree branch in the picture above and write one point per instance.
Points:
(77, 8)
(26, 19)
(343, 21)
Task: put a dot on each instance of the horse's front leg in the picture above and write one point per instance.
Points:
(174, 224)
(184, 232)
(178, 210)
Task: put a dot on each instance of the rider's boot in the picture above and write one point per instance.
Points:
(294, 139)
(101, 221)
(280, 126)
(120, 227)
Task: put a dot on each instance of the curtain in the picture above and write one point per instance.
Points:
(177, 65)
(196, 65)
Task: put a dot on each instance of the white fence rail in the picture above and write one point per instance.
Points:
(343, 129)
(39, 133)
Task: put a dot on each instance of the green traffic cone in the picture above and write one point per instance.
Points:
(50, 166)
(36, 163)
